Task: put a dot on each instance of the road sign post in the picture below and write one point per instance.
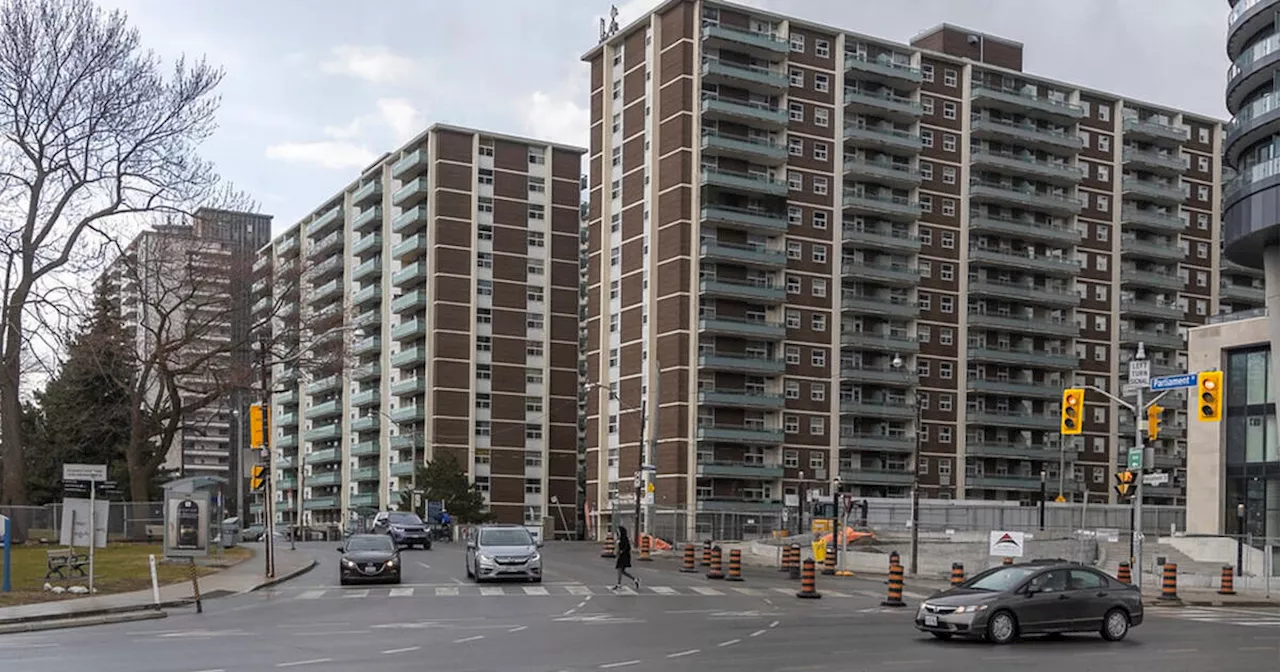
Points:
(6, 581)
(94, 474)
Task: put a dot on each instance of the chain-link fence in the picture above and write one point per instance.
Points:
(678, 526)
(132, 521)
(968, 516)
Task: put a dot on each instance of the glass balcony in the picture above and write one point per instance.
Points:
(882, 137)
(1016, 419)
(365, 423)
(1246, 293)
(1023, 291)
(740, 434)
(1026, 135)
(1014, 388)
(747, 218)
(409, 386)
(415, 216)
(751, 42)
(325, 456)
(877, 340)
(365, 500)
(743, 290)
(325, 222)
(366, 192)
(409, 357)
(886, 305)
(1041, 201)
(870, 442)
(323, 433)
(321, 503)
(326, 291)
(1026, 102)
(1159, 339)
(1152, 219)
(874, 409)
(1048, 265)
(326, 245)
(364, 474)
(1009, 482)
(881, 205)
(1152, 248)
(1021, 451)
(415, 299)
(891, 173)
(760, 115)
(888, 274)
(366, 217)
(1153, 191)
(731, 326)
(881, 104)
(412, 161)
(1024, 357)
(285, 398)
(740, 399)
(368, 269)
(755, 150)
(747, 255)
(366, 242)
(743, 182)
(409, 247)
(1153, 308)
(1154, 131)
(406, 414)
(887, 239)
(409, 275)
(325, 384)
(743, 76)
(743, 470)
(366, 371)
(367, 295)
(881, 69)
(324, 410)
(877, 476)
(402, 469)
(1024, 228)
(414, 328)
(287, 420)
(1026, 164)
(406, 442)
(1153, 279)
(410, 193)
(365, 398)
(366, 449)
(760, 366)
(285, 442)
(1161, 163)
(287, 245)
(883, 375)
(320, 479)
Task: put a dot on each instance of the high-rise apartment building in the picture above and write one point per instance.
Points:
(183, 293)
(435, 299)
(842, 252)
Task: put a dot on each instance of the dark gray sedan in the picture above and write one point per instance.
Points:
(369, 558)
(1006, 602)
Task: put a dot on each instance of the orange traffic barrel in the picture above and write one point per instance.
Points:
(1169, 582)
(608, 551)
(1124, 574)
(1228, 585)
(644, 549)
(735, 566)
(717, 572)
(894, 598)
(957, 574)
(808, 582)
(690, 558)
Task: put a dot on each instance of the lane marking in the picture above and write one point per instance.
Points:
(1255, 648)
(784, 591)
(834, 593)
(331, 633)
(757, 633)
(569, 612)
(401, 592)
(424, 565)
(682, 654)
(907, 662)
(578, 590)
(519, 628)
(464, 640)
(407, 649)
(313, 661)
(774, 624)
(446, 592)
(625, 663)
(731, 642)
(748, 591)
(582, 604)
(587, 598)
(490, 591)
(357, 593)
(217, 670)
(311, 594)
(706, 591)
(664, 590)
(535, 590)
(457, 581)
(1175, 651)
(625, 591)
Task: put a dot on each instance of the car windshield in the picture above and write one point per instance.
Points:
(404, 519)
(511, 537)
(370, 543)
(1001, 579)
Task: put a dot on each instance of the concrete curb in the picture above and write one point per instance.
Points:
(281, 579)
(1243, 604)
(81, 621)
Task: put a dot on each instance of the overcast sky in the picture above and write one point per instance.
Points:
(316, 89)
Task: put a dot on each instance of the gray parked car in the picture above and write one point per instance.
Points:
(503, 552)
(1039, 597)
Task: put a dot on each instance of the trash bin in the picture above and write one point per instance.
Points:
(230, 532)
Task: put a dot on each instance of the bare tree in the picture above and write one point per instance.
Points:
(94, 129)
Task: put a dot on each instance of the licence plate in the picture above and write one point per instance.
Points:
(931, 621)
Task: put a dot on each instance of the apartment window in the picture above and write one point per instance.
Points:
(926, 268)
(926, 203)
(821, 117)
(948, 142)
(484, 260)
(926, 137)
(536, 158)
(793, 319)
(483, 401)
(484, 204)
(948, 175)
(795, 146)
(795, 216)
(947, 272)
(793, 284)
(484, 288)
(796, 75)
(1099, 322)
(946, 304)
(1104, 112)
(533, 349)
(819, 288)
(1104, 172)
(819, 219)
(533, 376)
(821, 48)
(791, 458)
(1203, 134)
(1202, 279)
(797, 43)
(817, 460)
(535, 295)
(795, 181)
(537, 212)
(948, 110)
(817, 427)
(950, 78)
(946, 336)
(532, 486)
(793, 354)
(821, 83)
(483, 428)
(795, 249)
(926, 71)
(791, 389)
(1104, 203)
(483, 372)
(819, 322)
(796, 111)
(1102, 233)
(819, 253)
(791, 425)
(484, 344)
(485, 176)
(1202, 192)
(944, 435)
(819, 185)
(533, 320)
(486, 150)
(925, 300)
(817, 392)
(1203, 163)
(949, 239)
(820, 151)
(926, 105)
(923, 333)
(945, 402)
(537, 185)
(818, 358)
(536, 267)
(537, 239)
(945, 370)
(1202, 221)
(926, 171)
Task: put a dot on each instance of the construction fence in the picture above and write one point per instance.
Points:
(126, 521)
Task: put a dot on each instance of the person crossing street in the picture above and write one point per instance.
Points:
(623, 562)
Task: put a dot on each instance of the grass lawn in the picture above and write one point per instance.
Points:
(118, 568)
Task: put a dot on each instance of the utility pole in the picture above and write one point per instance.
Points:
(1043, 496)
(268, 504)
(649, 455)
(915, 492)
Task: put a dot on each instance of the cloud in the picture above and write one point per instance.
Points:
(329, 154)
(376, 64)
(394, 122)
(404, 120)
(557, 117)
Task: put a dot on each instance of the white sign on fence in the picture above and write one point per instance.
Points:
(1006, 544)
(74, 530)
(84, 472)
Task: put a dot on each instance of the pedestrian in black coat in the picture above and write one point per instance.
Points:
(624, 559)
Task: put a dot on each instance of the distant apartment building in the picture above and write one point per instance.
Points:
(435, 299)
(838, 253)
(183, 294)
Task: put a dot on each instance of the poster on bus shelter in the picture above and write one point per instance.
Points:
(186, 524)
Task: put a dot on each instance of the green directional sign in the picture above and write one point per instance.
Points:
(1135, 459)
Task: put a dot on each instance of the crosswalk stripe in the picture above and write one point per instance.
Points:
(625, 591)
(446, 592)
(748, 591)
(835, 593)
(492, 590)
(535, 590)
(578, 590)
(357, 593)
(401, 592)
(311, 595)
(706, 591)
(784, 591)
(664, 590)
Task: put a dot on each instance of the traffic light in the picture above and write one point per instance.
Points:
(257, 426)
(1124, 483)
(1153, 421)
(1209, 401)
(1072, 410)
(257, 477)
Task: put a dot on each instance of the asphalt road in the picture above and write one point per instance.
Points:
(437, 620)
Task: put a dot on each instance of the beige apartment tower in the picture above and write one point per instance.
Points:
(843, 252)
(445, 278)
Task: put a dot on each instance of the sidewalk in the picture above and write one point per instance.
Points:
(244, 577)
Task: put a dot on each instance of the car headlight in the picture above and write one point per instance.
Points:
(391, 564)
(484, 559)
(971, 608)
(347, 563)
(535, 557)
(397, 529)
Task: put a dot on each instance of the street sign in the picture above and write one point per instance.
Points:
(1155, 478)
(75, 489)
(84, 472)
(1140, 371)
(1135, 459)
(1175, 382)
(1129, 389)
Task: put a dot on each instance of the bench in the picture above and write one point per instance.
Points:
(154, 532)
(62, 561)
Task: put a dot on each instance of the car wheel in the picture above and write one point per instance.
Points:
(342, 582)
(469, 574)
(1002, 628)
(1115, 625)
(944, 636)
(536, 579)
(426, 546)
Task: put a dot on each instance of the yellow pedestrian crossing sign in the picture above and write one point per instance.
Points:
(1059, 499)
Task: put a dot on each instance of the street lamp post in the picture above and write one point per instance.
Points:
(898, 363)
(640, 490)
(1043, 476)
